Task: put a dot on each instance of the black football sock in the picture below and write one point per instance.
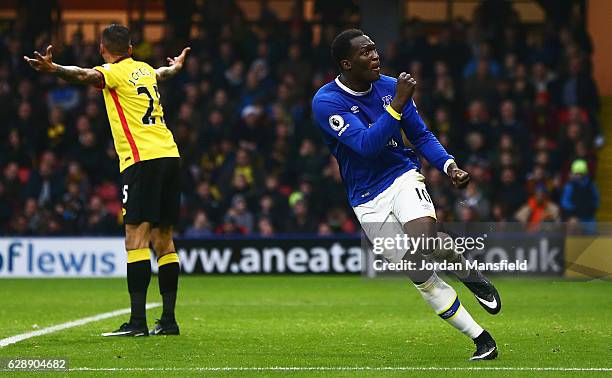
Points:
(138, 277)
(169, 270)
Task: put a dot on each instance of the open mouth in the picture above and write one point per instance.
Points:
(376, 69)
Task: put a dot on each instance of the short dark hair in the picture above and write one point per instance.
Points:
(341, 45)
(116, 39)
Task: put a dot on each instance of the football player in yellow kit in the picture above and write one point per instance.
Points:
(149, 164)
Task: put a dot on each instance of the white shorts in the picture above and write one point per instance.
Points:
(384, 216)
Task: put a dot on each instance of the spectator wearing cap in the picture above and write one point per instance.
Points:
(301, 220)
(580, 197)
(251, 133)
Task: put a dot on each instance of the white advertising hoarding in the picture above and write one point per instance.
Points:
(62, 257)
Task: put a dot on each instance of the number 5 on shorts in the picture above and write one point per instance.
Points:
(125, 194)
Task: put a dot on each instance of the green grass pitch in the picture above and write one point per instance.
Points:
(312, 321)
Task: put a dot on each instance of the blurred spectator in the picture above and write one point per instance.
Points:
(19, 226)
(88, 152)
(12, 183)
(510, 193)
(265, 227)
(72, 208)
(295, 65)
(251, 131)
(580, 197)
(268, 210)
(240, 172)
(229, 227)
(143, 49)
(340, 222)
(56, 131)
(308, 163)
(205, 199)
(539, 177)
(301, 221)
(510, 124)
(29, 126)
(33, 215)
(541, 78)
(578, 87)
(15, 151)
(474, 199)
(482, 64)
(200, 228)
(45, 184)
(481, 83)
(239, 215)
(324, 229)
(64, 96)
(98, 221)
(539, 208)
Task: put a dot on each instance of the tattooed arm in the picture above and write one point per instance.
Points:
(72, 74)
(174, 66)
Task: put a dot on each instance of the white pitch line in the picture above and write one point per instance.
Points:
(350, 368)
(74, 323)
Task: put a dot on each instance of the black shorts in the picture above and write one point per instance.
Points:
(151, 192)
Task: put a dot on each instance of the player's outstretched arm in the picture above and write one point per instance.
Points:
(174, 66)
(74, 74)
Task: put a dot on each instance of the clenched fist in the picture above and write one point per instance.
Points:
(404, 89)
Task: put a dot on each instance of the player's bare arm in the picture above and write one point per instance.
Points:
(458, 176)
(174, 65)
(73, 74)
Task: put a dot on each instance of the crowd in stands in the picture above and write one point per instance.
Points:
(515, 104)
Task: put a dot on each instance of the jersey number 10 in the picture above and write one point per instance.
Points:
(423, 195)
(148, 119)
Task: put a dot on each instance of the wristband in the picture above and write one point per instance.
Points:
(448, 162)
(394, 114)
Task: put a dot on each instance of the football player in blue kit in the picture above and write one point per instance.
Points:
(362, 115)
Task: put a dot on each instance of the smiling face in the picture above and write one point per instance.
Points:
(364, 61)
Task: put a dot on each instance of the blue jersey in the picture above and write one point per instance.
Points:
(366, 139)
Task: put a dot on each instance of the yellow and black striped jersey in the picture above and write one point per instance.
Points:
(135, 113)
